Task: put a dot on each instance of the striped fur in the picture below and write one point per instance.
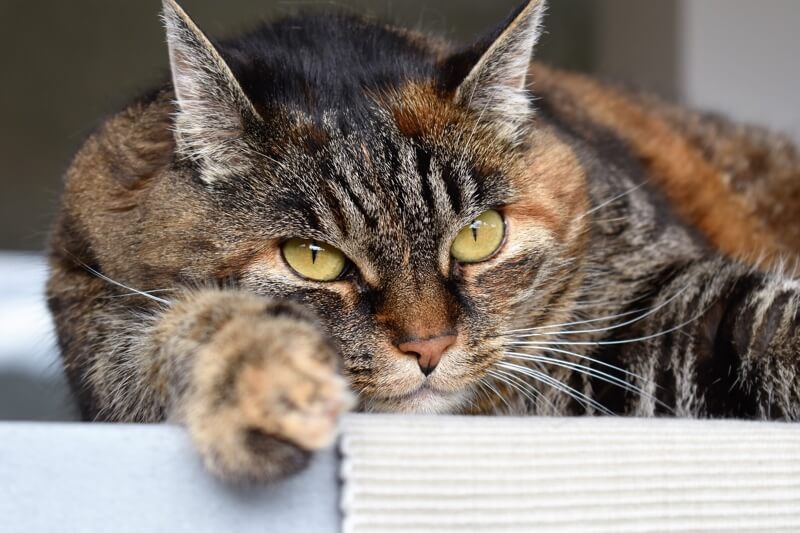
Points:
(646, 267)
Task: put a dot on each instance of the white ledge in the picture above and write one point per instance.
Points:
(585, 475)
(415, 474)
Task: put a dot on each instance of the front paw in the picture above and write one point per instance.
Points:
(266, 394)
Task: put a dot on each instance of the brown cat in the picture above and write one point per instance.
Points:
(330, 204)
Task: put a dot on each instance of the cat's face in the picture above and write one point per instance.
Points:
(419, 231)
(394, 198)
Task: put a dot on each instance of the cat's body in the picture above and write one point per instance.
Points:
(633, 276)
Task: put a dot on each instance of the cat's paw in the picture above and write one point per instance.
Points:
(266, 395)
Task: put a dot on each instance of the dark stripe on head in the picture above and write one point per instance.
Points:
(362, 208)
(296, 204)
(453, 188)
(424, 170)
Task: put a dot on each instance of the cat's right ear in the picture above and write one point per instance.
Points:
(496, 86)
(214, 113)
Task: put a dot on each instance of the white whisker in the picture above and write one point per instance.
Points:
(576, 323)
(498, 394)
(610, 328)
(608, 343)
(597, 361)
(118, 284)
(558, 385)
(155, 291)
(529, 391)
(611, 201)
(582, 369)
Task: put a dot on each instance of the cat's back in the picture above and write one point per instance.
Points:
(738, 184)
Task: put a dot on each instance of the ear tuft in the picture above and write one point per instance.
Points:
(213, 111)
(497, 87)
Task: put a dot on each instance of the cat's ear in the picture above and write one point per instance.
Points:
(496, 87)
(214, 113)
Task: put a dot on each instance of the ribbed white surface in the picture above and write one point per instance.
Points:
(562, 475)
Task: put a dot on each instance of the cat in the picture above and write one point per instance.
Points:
(332, 213)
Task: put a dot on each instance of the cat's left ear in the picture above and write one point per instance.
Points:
(214, 113)
(496, 87)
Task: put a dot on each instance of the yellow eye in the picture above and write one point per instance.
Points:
(480, 240)
(313, 260)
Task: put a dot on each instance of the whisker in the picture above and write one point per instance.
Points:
(479, 392)
(513, 386)
(577, 367)
(582, 304)
(608, 343)
(588, 371)
(530, 392)
(592, 304)
(558, 385)
(576, 323)
(498, 394)
(599, 362)
(156, 291)
(611, 201)
(607, 300)
(118, 284)
(610, 328)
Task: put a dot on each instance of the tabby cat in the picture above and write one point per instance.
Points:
(329, 204)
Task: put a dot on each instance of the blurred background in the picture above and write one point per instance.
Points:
(69, 64)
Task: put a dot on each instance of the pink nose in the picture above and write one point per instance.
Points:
(428, 351)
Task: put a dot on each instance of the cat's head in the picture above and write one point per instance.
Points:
(406, 193)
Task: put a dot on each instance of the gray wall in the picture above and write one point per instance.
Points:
(743, 58)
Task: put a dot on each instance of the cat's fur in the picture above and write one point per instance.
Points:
(641, 272)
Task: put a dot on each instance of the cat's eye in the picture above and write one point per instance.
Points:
(480, 240)
(314, 260)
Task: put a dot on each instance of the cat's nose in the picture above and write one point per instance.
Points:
(428, 351)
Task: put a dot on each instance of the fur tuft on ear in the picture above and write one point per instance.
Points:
(496, 88)
(213, 111)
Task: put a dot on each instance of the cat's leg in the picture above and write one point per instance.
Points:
(253, 380)
(726, 343)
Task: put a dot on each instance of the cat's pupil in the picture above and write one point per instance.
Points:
(315, 250)
(475, 226)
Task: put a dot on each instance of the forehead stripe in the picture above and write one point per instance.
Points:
(357, 202)
(453, 189)
(424, 171)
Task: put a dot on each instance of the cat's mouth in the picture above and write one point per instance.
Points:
(425, 390)
(426, 399)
